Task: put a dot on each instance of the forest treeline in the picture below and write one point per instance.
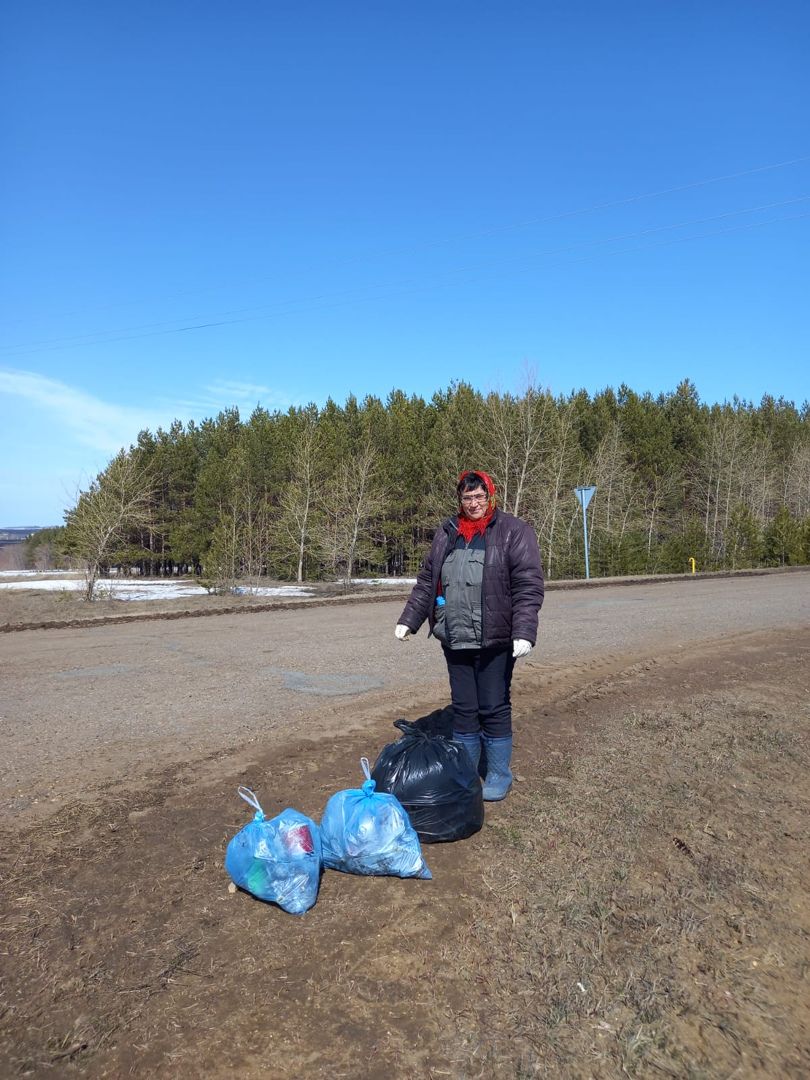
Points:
(358, 488)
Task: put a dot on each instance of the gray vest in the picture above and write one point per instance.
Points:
(462, 574)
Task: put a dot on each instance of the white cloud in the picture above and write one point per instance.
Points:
(254, 391)
(106, 426)
(59, 436)
(100, 425)
(224, 393)
(74, 433)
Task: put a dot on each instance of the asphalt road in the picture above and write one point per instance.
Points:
(89, 705)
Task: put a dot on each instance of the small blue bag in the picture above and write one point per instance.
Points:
(368, 832)
(277, 860)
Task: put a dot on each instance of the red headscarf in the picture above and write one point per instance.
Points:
(467, 527)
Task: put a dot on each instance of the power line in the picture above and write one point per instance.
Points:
(361, 294)
(493, 231)
(657, 194)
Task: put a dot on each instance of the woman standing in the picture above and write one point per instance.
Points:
(480, 588)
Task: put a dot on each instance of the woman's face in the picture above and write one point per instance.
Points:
(474, 503)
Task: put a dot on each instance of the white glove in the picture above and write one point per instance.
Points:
(402, 631)
(521, 648)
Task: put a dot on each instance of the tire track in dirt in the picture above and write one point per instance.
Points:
(81, 706)
(123, 952)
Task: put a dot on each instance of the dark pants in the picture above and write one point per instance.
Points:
(479, 689)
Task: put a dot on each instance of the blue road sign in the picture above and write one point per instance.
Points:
(584, 496)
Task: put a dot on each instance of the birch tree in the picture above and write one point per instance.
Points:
(117, 502)
(515, 434)
(548, 499)
(350, 502)
(299, 496)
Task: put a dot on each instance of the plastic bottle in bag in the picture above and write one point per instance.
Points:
(277, 860)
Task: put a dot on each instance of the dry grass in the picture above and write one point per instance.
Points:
(651, 918)
(637, 907)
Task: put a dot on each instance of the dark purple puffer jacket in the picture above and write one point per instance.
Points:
(512, 588)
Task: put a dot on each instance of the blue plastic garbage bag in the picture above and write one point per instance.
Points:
(368, 832)
(277, 860)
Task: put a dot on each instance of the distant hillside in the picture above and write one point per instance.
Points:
(15, 555)
(15, 534)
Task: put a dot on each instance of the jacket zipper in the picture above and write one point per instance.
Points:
(483, 582)
(438, 588)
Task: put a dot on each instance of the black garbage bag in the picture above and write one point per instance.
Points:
(434, 780)
(439, 722)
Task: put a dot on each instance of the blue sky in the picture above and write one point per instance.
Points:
(205, 205)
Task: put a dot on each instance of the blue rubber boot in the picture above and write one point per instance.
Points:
(472, 744)
(499, 776)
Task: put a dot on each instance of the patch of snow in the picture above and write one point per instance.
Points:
(269, 590)
(383, 581)
(29, 573)
(50, 585)
(147, 590)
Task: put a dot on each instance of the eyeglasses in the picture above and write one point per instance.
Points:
(468, 499)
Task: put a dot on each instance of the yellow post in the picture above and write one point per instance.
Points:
(692, 562)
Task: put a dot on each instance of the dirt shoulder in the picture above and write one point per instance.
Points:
(638, 906)
(59, 610)
(32, 610)
(90, 706)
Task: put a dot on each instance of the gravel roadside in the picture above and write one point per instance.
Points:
(84, 706)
